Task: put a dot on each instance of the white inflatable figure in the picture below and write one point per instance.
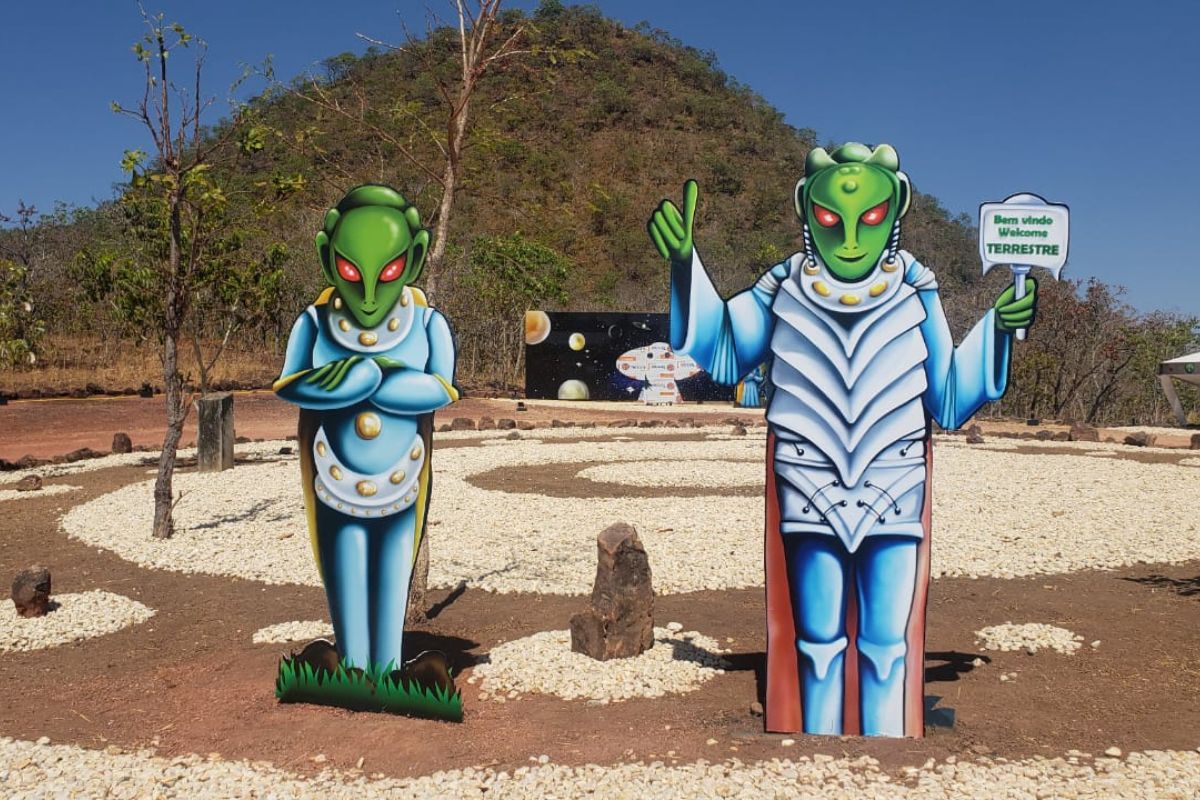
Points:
(661, 368)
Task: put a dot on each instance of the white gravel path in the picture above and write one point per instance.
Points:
(1030, 637)
(996, 513)
(679, 661)
(56, 488)
(1190, 462)
(286, 632)
(34, 771)
(80, 616)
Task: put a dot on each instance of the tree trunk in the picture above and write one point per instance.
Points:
(418, 600)
(164, 524)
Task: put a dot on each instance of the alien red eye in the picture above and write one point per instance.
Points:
(393, 270)
(348, 271)
(874, 216)
(825, 217)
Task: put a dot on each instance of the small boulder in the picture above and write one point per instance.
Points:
(486, 424)
(558, 423)
(619, 621)
(1044, 435)
(512, 435)
(462, 424)
(738, 429)
(525, 426)
(30, 483)
(1140, 439)
(506, 424)
(1061, 436)
(122, 443)
(31, 591)
(974, 435)
(1195, 445)
(1084, 433)
(443, 428)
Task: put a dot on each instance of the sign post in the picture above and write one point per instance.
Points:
(1024, 231)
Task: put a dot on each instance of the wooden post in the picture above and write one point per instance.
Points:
(215, 452)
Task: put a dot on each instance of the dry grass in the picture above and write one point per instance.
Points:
(116, 365)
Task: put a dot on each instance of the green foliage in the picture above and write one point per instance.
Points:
(376, 689)
(509, 273)
(20, 327)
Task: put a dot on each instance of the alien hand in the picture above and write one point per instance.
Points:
(330, 376)
(386, 362)
(671, 230)
(1012, 314)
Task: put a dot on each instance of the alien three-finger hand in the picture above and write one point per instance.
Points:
(317, 374)
(1026, 303)
(657, 238)
(675, 220)
(339, 374)
(665, 230)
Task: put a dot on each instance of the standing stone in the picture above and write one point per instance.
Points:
(619, 621)
(122, 443)
(216, 432)
(31, 591)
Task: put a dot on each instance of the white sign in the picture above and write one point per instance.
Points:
(1024, 230)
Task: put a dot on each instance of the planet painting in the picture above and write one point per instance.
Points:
(574, 355)
(573, 390)
(537, 327)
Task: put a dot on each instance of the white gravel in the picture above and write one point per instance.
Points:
(1190, 462)
(80, 616)
(56, 488)
(1030, 637)
(1000, 514)
(286, 632)
(34, 771)
(679, 661)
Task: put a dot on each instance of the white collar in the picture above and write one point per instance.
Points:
(820, 286)
(346, 331)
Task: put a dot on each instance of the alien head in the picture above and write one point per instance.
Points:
(371, 247)
(851, 203)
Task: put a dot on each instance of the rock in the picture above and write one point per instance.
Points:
(443, 428)
(513, 435)
(31, 591)
(756, 709)
(558, 423)
(1044, 435)
(974, 435)
(81, 454)
(30, 483)
(1195, 444)
(122, 443)
(1084, 433)
(146, 390)
(506, 424)
(1026, 435)
(1113, 752)
(624, 423)
(1140, 440)
(462, 424)
(650, 423)
(486, 424)
(525, 426)
(738, 430)
(285, 451)
(1061, 436)
(619, 621)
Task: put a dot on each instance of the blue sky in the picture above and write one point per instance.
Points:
(1093, 104)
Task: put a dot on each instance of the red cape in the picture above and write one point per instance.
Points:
(783, 704)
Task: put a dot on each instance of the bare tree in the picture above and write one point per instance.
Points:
(482, 43)
(173, 189)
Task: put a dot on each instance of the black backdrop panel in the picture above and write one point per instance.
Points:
(577, 359)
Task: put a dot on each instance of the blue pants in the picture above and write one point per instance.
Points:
(367, 565)
(884, 571)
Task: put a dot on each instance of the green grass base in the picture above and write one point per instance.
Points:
(373, 690)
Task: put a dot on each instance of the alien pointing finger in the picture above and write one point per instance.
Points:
(862, 361)
(368, 363)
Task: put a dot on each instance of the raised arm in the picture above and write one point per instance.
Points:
(726, 338)
(963, 378)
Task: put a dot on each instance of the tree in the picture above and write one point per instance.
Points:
(482, 42)
(183, 247)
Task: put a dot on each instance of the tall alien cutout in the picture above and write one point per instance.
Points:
(862, 360)
(368, 363)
